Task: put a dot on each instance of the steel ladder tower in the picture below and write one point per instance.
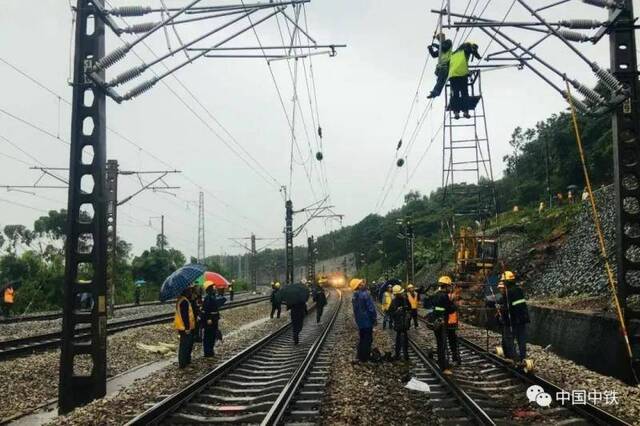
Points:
(201, 246)
(626, 153)
(466, 155)
(288, 233)
(85, 272)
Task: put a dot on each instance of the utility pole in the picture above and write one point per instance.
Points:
(288, 242)
(254, 263)
(311, 260)
(626, 148)
(162, 233)
(85, 272)
(201, 246)
(408, 236)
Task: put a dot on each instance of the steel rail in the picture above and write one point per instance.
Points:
(56, 315)
(278, 411)
(160, 411)
(588, 411)
(30, 344)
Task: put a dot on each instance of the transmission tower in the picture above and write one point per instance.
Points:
(201, 248)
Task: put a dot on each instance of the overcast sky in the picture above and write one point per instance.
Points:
(364, 95)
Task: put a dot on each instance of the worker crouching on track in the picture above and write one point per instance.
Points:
(210, 317)
(514, 316)
(386, 303)
(444, 321)
(275, 301)
(185, 323)
(400, 312)
(8, 297)
(413, 298)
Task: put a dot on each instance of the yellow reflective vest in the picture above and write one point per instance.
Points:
(178, 324)
(458, 65)
(386, 301)
(413, 300)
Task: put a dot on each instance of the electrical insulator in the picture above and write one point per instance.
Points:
(607, 78)
(588, 93)
(130, 11)
(127, 75)
(611, 4)
(319, 156)
(573, 35)
(584, 24)
(400, 162)
(140, 28)
(111, 58)
(140, 89)
(578, 104)
(320, 132)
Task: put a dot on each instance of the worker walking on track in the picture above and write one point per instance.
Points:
(413, 298)
(364, 312)
(442, 51)
(8, 297)
(514, 316)
(298, 312)
(321, 301)
(459, 78)
(400, 312)
(185, 323)
(275, 300)
(443, 320)
(386, 303)
(210, 318)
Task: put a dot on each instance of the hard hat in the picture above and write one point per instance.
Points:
(508, 276)
(397, 289)
(410, 287)
(207, 284)
(444, 280)
(277, 285)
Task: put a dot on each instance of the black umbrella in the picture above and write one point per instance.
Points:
(294, 293)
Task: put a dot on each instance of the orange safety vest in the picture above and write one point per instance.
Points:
(8, 295)
(178, 324)
(413, 300)
(452, 319)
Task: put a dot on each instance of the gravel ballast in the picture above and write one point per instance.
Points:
(30, 381)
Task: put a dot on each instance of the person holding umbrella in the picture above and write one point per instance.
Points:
(185, 323)
(210, 317)
(295, 296)
(178, 284)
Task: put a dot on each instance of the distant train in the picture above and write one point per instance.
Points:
(333, 279)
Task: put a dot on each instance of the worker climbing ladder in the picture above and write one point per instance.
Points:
(467, 172)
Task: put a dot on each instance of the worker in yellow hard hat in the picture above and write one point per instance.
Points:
(443, 319)
(386, 303)
(400, 313)
(514, 316)
(275, 300)
(413, 298)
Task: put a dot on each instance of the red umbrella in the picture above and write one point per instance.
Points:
(218, 280)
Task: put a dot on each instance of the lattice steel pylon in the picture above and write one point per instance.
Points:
(466, 157)
(201, 246)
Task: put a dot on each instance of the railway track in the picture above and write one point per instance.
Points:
(486, 389)
(31, 344)
(58, 315)
(267, 383)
